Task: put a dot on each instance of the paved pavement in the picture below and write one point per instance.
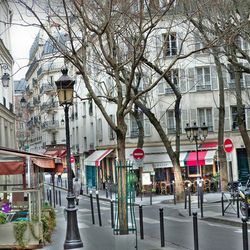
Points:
(94, 236)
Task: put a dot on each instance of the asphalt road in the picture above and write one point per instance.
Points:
(178, 230)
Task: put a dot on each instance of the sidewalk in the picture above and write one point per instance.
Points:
(94, 236)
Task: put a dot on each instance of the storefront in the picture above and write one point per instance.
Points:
(99, 168)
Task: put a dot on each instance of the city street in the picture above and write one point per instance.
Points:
(178, 228)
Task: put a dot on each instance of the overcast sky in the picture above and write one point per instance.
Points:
(21, 40)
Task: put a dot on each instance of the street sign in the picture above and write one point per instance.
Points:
(228, 145)
(72, 159)
(138, 154)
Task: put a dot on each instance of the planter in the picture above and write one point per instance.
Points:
(32, 236)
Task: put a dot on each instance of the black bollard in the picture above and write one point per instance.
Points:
(112, 213)
(195, 228)
(185, 193)
(198, 194)
(150, 197)
(87, 189)
(174, 193)
(65, 183)
(60, 201)
(244, 233)
(98, 208)
(246, 205)
(92, 207)
(238, 209)
(141, 222)
(106, 191)
(222, 204)
(189, 203)
(201, 198)
(50, 197)
(162, 228)
(56, 198)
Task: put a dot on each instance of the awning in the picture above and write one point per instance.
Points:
(163, 161)
(10, 168)
(95, 158)
(191, 159)
(43, 163)
(209, 145)
(209, 159)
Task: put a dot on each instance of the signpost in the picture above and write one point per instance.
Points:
(228, 147)
(138, 154)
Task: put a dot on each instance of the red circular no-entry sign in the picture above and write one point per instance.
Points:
(228, 145)
(72, 159)
(138, 154)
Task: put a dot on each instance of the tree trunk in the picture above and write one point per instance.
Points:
(122, 182)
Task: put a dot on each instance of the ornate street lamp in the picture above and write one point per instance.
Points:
(65, 89)
(196, 134)
(23, 102)
(6, 76)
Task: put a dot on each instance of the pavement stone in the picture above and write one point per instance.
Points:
(94, 236)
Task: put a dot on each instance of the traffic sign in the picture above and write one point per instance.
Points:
(228, 145)
(138, 154)
(72, 159)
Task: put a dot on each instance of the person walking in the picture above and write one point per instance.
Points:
(77, 188)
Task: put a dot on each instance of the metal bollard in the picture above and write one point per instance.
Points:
(201, 197)
(189, 203)
(238, 208)
(60, 201)
(98, 208)
(48, 194)
(162, 228)
(56, 198)
(246, 205)
(112, 213)
(106, 191)
(87, 189)
(141, 222)
(174, 193)
(185, 201)
(92, 207)
(244, 233)
(195, 228)
(50, 197)
(222, 204)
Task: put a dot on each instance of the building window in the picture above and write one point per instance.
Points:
(234, 117)
(171, 121)
(134, 130)
(170, 44)
(203, 78)
(90, 107)
(99, 130)
(231, 83)
(205, 115)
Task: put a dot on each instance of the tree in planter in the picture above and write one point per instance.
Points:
(3, 218)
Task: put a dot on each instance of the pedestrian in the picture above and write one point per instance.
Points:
(59, 178)
(77, 188)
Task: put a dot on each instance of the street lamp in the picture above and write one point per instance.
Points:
(65, 89)
(196, 134)
(6, 76)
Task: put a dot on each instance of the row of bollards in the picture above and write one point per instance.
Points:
(56, 197)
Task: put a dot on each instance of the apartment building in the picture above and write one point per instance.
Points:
(7, 117)
(196, 78)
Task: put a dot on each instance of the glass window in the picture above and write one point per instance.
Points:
(170, 44)
(205, 115)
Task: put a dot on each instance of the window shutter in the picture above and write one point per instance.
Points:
(216, 118)
(182, 81)
(128, 126)
(248, 117)
(225, 76)
(147, 127)
(184, 117)
(158, 45)
(180, 44)
(214, 79)
(191, 79)
(161, 88)
(227, 119)
(247, 76)
(193, 116)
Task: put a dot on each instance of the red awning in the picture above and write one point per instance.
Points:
(44, 163)
(192, 158)
(56, 152)
(95, 158)
(9, 168)
(211, 145)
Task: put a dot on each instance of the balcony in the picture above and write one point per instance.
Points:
(205, 87)
(50, 125)
(50, 106)
(48, 88)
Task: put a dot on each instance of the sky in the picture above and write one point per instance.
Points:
(22, 38)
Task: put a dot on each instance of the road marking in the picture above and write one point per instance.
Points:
(240, 231)
(176, 219)
(83, 210)
(149, 221)
(82, 225)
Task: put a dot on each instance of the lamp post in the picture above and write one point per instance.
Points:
(65, 88)
(196, 134)
(6, 76)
